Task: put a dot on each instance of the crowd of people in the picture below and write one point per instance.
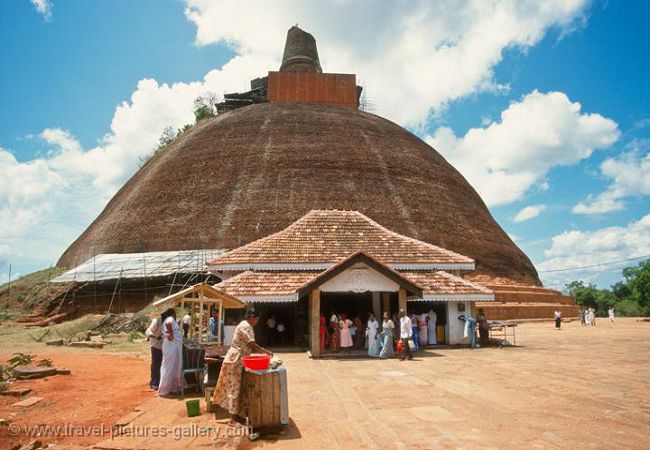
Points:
(587, 317)
(379, 338)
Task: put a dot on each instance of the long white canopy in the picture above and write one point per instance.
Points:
(111, 266)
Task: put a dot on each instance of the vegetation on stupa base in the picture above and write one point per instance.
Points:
(205, 107)
(629, 297)
(32, 290)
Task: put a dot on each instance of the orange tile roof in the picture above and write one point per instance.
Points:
(440, 285)
(283, 286)
(270, 286)
(323, 237)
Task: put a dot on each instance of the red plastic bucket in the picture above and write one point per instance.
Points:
(256, 362)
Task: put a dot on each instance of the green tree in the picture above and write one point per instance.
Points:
(621, 290)
(638, 280)
(167, 137)
(205, 106)
(590, 296)
(182, 130)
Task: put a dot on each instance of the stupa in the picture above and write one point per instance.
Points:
(296, 142)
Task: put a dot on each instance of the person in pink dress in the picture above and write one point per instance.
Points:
(346, 337)
(322, 335)
(423, 329)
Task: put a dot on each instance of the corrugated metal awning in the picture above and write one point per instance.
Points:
(110, 266)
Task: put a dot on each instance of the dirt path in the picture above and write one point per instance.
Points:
(100, 389)
(574, 388)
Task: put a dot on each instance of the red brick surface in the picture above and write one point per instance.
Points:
(309, 87)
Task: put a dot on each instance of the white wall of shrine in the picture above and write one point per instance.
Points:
(359, 278)
(455, 327)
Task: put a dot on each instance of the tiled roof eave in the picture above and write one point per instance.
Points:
(454, 298)
(325, 266)
(433, 266)
(288, 298)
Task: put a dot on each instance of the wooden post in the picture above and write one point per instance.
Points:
(200, 330)
(385, 303)
(376, 308)
(401, 295)
(117, 283)
(314, 323)
(219, 323)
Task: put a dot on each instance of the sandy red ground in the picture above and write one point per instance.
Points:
(100, 389)
(574, 388)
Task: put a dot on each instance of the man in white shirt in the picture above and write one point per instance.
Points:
(187, 319)
(406, 333)
(154, 336)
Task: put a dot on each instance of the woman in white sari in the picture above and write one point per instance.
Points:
(387, 328)
(172, 360)
(433, 318)
(372, 332)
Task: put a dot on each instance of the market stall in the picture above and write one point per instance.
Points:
(500, 331)
(199, 301)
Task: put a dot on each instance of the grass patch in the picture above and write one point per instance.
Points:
(68, 330)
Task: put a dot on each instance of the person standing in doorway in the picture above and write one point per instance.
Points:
(346, 336)
(415, 335)
(281, 328)
(610, 314)
(360, 333)
(406, 334)
(334, 333)
(387, 327)
(322, 334)
(154, 336)
(423, 329)
(374, 341)
(558, 318)
(271, 332)
(431, 323)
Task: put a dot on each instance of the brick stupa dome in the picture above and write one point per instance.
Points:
(253, 171)
(297, 142)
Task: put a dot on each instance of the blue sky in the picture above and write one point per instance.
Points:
(76, 113)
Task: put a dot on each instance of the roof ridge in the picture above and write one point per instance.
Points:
(417, 241)
(262, 239)
(372, 258)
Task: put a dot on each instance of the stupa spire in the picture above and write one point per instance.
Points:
(300, 52)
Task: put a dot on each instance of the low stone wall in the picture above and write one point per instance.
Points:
(527, 302)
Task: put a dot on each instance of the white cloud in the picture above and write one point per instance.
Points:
(629, 174)
(426, 55)
(578, 248)
(44, 8)
(514, 237)
(529, 212)
(509, 157)
(46, 202)
(423, 55)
